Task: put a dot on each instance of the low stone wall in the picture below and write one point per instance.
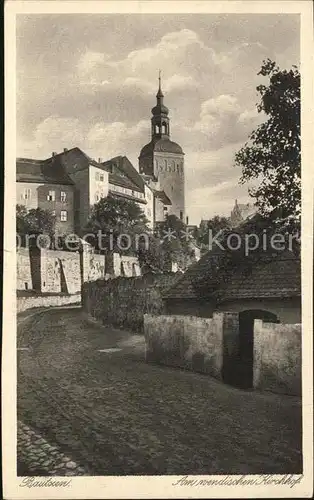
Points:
(23, 270)
(277, 357)
(122, 302)
(24, 303)
(187, 342)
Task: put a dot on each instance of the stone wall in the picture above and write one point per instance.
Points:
(122, 301)
(60, 271)
(277, 357)
(122, 265)
(96, 267)
(190, 342)
(23, 303)
(23, 270)
(211, 345)
(56, 271)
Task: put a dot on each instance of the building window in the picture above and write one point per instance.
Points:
(149, 213)
(181, 215)
(51, 196)
(27, 194)
(63, 196)
(97, 176)
(63, 216)
(165, 209)
(96, 197)
(101, 178)
(133, 194)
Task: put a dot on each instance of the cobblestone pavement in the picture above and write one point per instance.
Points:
(38, 457)
(86, 390)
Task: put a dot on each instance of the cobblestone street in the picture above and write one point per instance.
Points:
(89, 404)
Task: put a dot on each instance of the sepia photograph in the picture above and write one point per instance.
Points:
(157, 207)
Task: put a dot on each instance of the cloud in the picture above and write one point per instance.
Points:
(101, 140)
(221, 121)
(52, 134)
(118, 138)
(99, 94)
(179, 82)
(90, 61)
(178, 54)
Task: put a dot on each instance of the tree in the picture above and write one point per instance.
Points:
(272, 155)
(175, 241)
(214, 225)
(34, 222)
(114, 217)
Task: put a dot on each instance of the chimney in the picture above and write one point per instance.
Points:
(187, 220)
(65, 150)
(99, 160)
(54, 153)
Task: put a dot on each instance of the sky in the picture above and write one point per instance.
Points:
(90, 81)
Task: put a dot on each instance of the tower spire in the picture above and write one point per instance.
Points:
(159, 93)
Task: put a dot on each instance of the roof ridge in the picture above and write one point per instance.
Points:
(33, 160)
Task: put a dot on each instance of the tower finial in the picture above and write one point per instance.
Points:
(159, 93)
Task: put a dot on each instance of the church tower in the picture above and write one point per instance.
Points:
(163, 160)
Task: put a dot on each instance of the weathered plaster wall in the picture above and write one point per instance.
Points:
(92, 265)
(38, 199)
(288, 310)
(122, 265)
(61, 227)
(50, 272)
(23, 271)
(277, 357)
(149, 208)
(187, 342)
(169, 169)
(60, 271)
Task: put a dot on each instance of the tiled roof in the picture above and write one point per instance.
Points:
(28, 170)
(123, 182)
(161, 195)
(123, 164)
(279, 277)
(274, 276)
(73, 160)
